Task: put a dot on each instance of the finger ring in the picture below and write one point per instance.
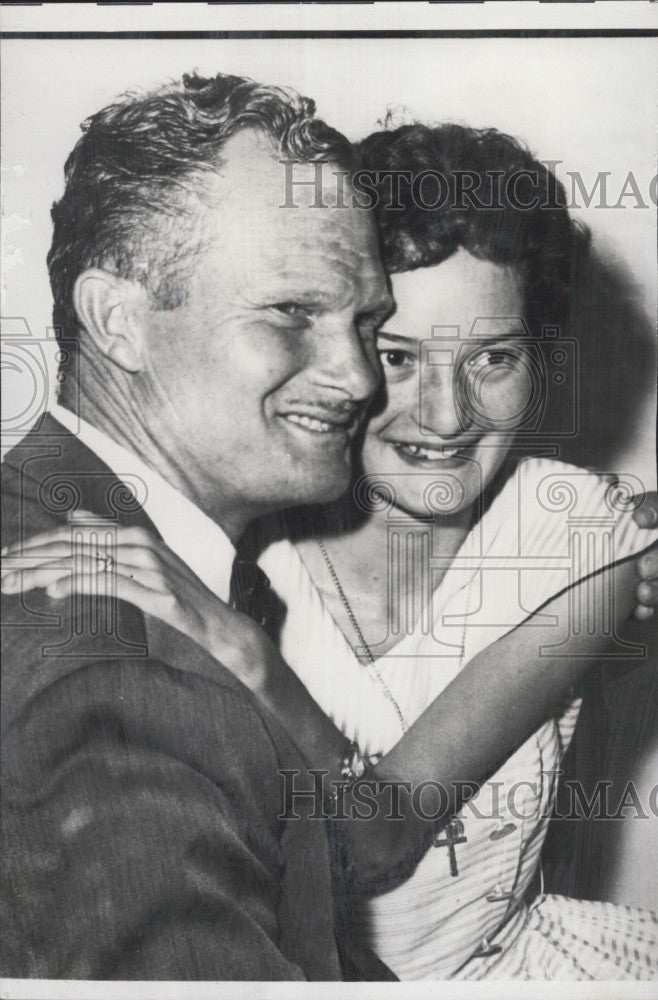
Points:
(104, 562)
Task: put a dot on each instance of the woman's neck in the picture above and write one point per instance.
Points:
(383, 570)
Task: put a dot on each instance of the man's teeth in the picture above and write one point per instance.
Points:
(431, 454)
(312, 423)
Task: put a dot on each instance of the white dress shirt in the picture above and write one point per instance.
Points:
(191, 534)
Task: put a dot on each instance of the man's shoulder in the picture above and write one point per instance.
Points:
(49, 474)
(25, 472)
(71, 659)
(96, 644)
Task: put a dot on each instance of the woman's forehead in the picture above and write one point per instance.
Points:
(459, 292)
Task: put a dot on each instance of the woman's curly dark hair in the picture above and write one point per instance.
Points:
(480, 181)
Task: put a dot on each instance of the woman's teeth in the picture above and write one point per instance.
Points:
(430, 454)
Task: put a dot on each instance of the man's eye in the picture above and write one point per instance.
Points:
(394, 358)
(292, 309)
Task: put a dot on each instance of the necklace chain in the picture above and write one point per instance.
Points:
(371, 665)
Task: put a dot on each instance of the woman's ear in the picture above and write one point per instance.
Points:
(111, 310)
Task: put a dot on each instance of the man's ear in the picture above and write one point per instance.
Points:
(111, 310)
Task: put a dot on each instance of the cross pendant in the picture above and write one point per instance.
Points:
(454, 832)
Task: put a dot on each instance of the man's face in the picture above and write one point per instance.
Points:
(262, 374)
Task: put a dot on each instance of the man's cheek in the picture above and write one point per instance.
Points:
(265, 347)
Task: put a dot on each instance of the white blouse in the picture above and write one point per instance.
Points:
(550, 526)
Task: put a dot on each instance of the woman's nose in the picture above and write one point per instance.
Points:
(439, 411)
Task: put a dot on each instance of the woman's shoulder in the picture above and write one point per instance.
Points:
(555, 485)
(551, 509)
(558, 493)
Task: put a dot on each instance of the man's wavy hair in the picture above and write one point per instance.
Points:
(127, 203)
(542, 244)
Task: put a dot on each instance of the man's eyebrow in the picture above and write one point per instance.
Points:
(379, 309)
(284, 291)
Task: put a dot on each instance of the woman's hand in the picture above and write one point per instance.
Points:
(646, 516)
(139, 568)
(143, 571)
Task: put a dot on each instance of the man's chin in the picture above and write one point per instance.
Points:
(328, 485)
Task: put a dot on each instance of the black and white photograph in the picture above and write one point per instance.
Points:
(329, 501)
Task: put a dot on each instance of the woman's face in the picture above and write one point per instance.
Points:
(457, 384)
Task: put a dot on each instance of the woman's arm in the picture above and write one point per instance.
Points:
(493, 705)
(499, 698)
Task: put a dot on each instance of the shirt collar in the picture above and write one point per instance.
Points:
(190, 533)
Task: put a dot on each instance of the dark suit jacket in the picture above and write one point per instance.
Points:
(140, 782)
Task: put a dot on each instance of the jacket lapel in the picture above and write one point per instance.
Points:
(306, 909)
(56, 474)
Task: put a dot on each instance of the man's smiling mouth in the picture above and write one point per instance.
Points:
(341, 423)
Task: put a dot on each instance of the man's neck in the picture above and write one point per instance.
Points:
(118, 418)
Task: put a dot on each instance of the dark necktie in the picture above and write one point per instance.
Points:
(252, 594)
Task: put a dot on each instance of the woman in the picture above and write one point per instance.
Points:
(431, 614)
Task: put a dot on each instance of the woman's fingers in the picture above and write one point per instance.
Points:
(124, 588)
(63, 533)
(29, 579)
(647, 565)
(646, 515)
(84, 570)
(134, 546)
(70, 551)
(130, 537)
(45, 537)
(55, 550)
(647, 592)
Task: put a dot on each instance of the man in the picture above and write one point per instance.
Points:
(226, 352)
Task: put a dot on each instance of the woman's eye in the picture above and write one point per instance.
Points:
(394, 358)
(493, 358)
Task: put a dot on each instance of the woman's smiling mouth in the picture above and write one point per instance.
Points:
(423, 453)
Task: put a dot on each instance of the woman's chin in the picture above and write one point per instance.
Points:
(421, 488)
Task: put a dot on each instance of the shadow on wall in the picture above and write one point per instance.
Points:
(617, 364)
(618, 725)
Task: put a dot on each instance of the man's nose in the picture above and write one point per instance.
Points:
(439, 410)
(346, 361)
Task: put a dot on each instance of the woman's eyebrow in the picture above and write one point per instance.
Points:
(487, 338)
(493, 338)
(398, 338)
